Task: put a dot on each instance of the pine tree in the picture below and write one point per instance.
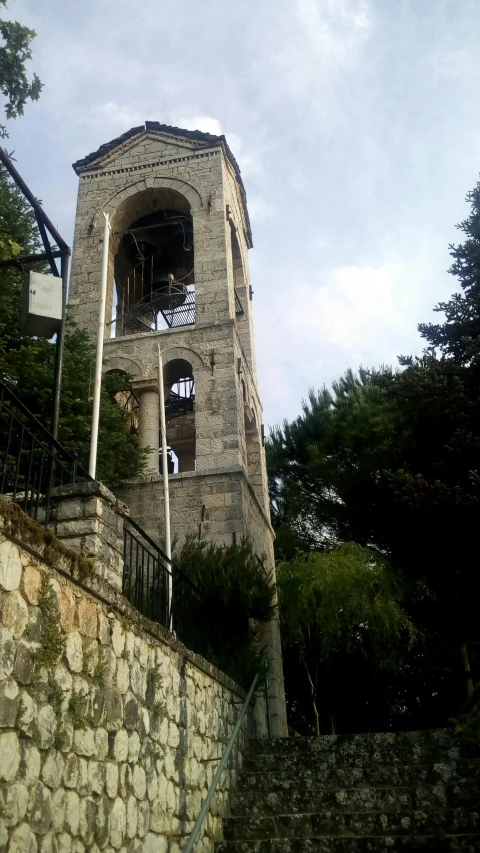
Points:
(329, 460)
(392, 462)
(461, 327)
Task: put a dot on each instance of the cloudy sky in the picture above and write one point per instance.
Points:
(356, 126)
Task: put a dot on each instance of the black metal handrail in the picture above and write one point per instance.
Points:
(160, 590)
(176, 315)
(32, 462)
(220, 769)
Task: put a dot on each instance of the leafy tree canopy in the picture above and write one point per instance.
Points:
(338, 605)
(27, 363)
(15, 85)
(18, 231)
(326, 595)
(392, 461)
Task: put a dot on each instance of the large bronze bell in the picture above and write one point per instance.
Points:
(168, 294)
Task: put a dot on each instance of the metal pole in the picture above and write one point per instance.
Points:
(18, 260)
(39, 211)
(92, 465)
(166, 492)
(59, 350)
(63, 251)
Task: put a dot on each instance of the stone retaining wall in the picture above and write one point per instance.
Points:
(110, 729)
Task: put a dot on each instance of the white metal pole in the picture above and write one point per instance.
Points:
(92, 465)
(166, 492)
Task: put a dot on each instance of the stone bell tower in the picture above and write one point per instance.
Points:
(178, 279)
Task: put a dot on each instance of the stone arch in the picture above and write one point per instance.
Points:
(126, 365)
(141, 200)
(239, 276)
(180, 366)
(126, 398)
(185, 354)
(236, 248)
(113, 204)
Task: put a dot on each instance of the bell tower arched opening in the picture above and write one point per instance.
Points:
(154, 266)
(179, 385)
(242, 291)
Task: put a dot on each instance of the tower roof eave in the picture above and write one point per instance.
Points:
(208, 140)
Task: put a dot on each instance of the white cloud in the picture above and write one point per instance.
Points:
(115, 115)
(249, 157)
(334, 28)
(206, 124)
(318, 325)
(355, 306)
(326, 38)
(454, 63)
(260, 209)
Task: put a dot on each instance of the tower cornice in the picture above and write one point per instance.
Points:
(193, 141)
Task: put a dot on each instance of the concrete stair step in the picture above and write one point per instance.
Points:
(370, 844)
(332, 777)
(372, 793)
(438, 822)
(348, 755)
(302, 801)
(393, 748)
(383, 740)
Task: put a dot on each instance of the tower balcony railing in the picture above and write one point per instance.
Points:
(158, 310)
(32, 462)
(176, 406)
(238, 305)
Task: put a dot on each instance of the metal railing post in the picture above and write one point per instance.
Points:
(267, 702)
(32, 461)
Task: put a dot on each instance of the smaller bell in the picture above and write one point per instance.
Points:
(140, 250)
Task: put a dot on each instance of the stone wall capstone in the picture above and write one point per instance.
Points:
(110, 729)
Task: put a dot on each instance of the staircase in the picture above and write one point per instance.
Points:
(381, 793)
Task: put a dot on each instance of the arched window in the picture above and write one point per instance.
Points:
(179, 385)
(238, 273)
(154, 264)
